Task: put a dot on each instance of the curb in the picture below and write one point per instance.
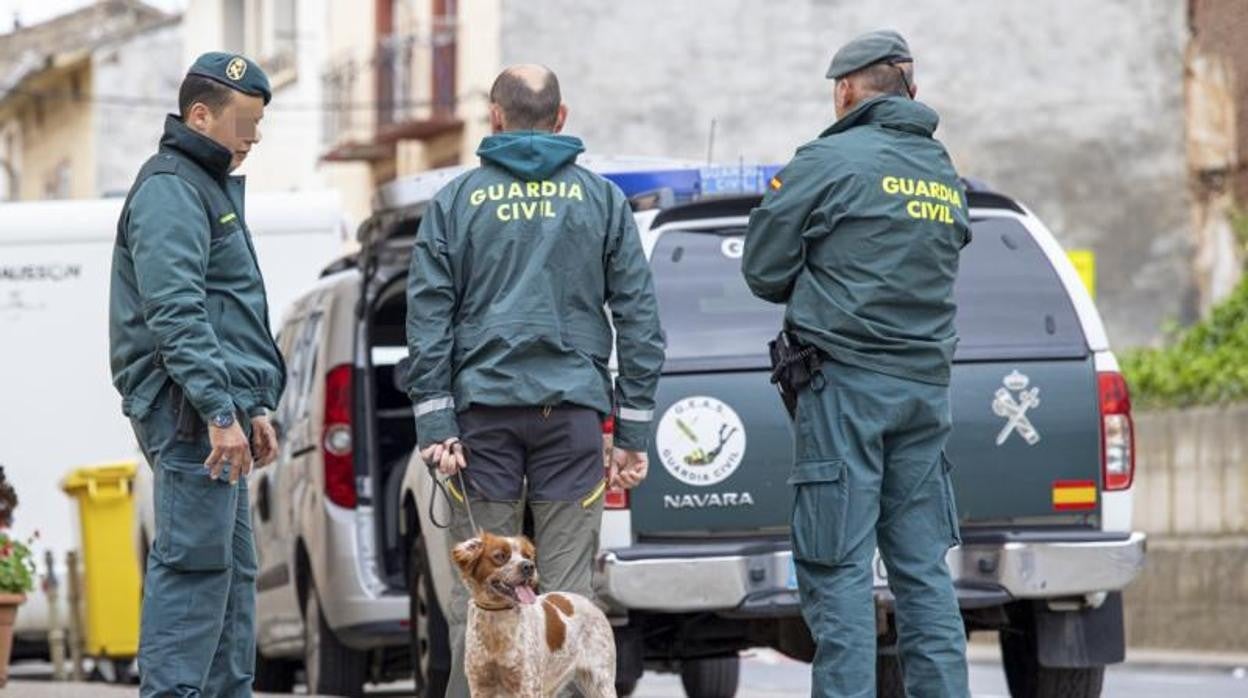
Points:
(985, 653)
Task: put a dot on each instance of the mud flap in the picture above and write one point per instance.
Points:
(1091, 637)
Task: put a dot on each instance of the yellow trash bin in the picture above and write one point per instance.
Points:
(111, 588)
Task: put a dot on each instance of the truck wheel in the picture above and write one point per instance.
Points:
(429, 642)
(889, 682)
(793, 640)
(716, 677)
(274, 675)
(332, 668)
(1028, 679)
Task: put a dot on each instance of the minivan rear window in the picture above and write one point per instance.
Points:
(1011, 303)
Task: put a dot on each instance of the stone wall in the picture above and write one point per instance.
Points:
(1192, 499)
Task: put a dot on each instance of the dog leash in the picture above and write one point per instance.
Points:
(440, 485)
(467, 501)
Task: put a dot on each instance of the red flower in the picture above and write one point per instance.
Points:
(7, 549)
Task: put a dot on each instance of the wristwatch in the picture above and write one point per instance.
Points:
(225, 420)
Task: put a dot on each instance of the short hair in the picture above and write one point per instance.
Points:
(206, 91)
(887, 78)
(523, 107)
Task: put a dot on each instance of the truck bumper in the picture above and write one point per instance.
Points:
(757, 579)
(1043, 566)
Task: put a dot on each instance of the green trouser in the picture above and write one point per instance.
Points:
(870, 470)
(550, 460)
(197, 636)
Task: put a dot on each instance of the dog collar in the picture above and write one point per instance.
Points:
(492, 608)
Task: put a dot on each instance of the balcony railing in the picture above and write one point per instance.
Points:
(406, 88)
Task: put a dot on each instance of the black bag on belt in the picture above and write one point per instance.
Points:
(190, 426)
(794, 365)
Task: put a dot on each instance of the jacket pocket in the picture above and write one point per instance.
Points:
(139, 403)
(819, 509)
(195, 520)
(951, 501)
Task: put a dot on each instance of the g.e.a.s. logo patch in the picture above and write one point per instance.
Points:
(700, 441)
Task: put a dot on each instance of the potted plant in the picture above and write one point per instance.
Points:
(17, 574)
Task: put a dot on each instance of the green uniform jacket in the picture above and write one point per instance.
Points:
(514, 264)
(187, 301)
(860, 235)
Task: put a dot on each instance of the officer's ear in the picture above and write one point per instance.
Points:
(199, 117)
(842, 93)
(498, 123)
(560, 117)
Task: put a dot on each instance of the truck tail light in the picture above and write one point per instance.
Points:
(614, 499)
(1117, 432)
(337, 443)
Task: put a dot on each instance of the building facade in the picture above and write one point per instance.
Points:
(73, 93)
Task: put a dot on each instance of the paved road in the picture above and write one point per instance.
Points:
(771, 676)
(766, 675)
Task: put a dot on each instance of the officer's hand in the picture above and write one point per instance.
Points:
(263, 441)
(229, 446)
(628, 468)
(447, 456)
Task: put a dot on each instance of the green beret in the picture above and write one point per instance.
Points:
(882, 45)
(234, 71)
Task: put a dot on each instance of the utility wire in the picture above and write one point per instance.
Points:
(139, 102)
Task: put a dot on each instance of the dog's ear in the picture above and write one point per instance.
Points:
(526, 548)
(467, 553)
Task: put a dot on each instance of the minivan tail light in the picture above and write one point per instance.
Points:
(337, 442)
(1117, 432)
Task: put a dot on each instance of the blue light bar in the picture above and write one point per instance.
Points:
(689, 184)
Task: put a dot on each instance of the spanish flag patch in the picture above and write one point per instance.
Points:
(1071, 495)
(775, 183)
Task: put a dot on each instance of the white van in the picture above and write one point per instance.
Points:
(59, 409)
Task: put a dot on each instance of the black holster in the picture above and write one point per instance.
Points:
(190, 426)
(794, 365)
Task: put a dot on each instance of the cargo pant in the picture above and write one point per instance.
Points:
(197, 635)
(870, 470)
(550, 459)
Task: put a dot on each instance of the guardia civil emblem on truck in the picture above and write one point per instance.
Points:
(1013, 400)
(700, 440)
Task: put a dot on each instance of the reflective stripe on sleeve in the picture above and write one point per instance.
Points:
(636, 415)
(440, 403)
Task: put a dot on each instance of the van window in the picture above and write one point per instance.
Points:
(1011, 302)
(303, 337)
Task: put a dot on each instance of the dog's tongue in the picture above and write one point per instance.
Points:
(525, 594)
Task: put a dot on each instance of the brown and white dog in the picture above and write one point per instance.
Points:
(520, 644)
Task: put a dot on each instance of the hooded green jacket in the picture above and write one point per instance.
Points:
(187, 302)
(514, 266)
(860, 235)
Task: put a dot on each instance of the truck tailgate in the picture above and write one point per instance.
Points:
(722, 451)
(1025, 447)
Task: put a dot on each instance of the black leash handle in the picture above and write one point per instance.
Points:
(441, 486)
